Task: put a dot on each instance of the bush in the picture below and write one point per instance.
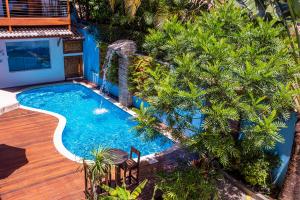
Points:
(237, 72)
(188, 184)
(257, 171)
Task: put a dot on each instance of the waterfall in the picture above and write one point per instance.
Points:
(103, 87)
(106, 66)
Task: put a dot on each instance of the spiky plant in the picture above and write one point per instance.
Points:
(102, 161)
(98, 168)
(121, 193)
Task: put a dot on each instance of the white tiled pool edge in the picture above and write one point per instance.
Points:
(57, 137)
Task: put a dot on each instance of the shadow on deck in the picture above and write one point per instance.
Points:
(12, 158)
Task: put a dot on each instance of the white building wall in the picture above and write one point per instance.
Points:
(19, 78)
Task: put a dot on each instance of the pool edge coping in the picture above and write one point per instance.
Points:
(57, 136)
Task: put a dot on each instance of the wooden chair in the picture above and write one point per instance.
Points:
(131, 165)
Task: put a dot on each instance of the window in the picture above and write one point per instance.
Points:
(28, 55)
(73, 46)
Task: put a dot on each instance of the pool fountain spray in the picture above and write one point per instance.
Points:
(103, 88)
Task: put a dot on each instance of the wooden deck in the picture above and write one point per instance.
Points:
(32, 169)
(30, 166)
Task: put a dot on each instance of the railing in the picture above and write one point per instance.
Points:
(34, 13)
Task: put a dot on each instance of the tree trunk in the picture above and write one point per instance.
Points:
(80, 9)
(291, 185)
(87, 11)
(235, 126)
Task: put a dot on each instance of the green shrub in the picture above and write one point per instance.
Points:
(235, 71)
(257, 171)
(188, 184)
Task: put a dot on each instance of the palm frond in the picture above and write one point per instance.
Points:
(131, 7)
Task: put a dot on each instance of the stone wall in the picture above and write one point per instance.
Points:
(124, 49)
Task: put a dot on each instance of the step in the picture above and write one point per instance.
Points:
(8, 101)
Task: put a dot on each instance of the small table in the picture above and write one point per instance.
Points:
(118, 157)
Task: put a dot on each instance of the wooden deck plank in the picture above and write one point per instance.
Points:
(31, 167)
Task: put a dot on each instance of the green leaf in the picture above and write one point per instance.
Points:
(138, 190)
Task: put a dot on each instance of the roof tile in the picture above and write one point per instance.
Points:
(37, 32)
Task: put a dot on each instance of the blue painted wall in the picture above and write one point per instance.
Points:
(284, 150)
(91, 71)
(91, 58)
(112, 88)
(137, 102)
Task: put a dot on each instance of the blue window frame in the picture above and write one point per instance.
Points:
(28, 55)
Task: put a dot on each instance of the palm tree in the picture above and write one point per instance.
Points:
(130, 6)
(102, 162)
(97, 169)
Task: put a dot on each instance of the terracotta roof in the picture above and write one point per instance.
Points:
(36, 32)
(76, 35)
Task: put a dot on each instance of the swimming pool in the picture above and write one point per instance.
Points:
(88, 126)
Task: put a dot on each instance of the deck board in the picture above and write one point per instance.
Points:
(30, 166)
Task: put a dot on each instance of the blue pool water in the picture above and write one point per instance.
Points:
(86, 127)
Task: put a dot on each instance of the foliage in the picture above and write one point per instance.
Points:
(257, 170)
(188, 184)
(129, 6)
(235, 70)
(103, 49)
(97, 169)
(296, 87)
(138, 72)
(294, 6)
(269, 9)
(112, 72)
(262, 8)
(147, 123)
(121, 193)
(294, 36)
(102, 160)
(131, 19)
(149, 12)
